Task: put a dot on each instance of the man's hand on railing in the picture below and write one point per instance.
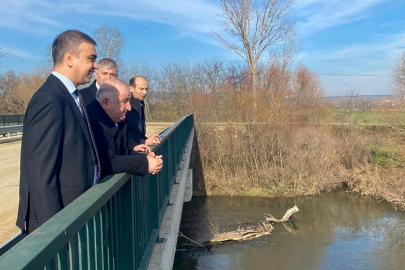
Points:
(155, 163)
(142, 148)
(155, 139)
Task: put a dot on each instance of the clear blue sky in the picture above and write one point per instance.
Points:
(356, 37)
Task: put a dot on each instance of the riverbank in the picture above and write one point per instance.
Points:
(259, 161)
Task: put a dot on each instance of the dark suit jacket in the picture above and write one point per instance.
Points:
(57, 159)
(135, 120)
(112, 146)
(89, 93)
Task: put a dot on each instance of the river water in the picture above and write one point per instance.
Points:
(338, 230)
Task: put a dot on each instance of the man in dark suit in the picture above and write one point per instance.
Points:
(138, 86)
(58, 161)
(106, 113)
(107, 69)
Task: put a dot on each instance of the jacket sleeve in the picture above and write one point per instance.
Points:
(135, 135)
(112, 163)
(135, 164)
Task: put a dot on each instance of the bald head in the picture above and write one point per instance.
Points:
(113, 96)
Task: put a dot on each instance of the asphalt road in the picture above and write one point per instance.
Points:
(10, 176)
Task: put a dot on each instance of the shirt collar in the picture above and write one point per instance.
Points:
(98, 86)
(68, 83)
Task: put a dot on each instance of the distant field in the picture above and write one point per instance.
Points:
(366, 117)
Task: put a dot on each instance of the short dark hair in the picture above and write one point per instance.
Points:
(132, 80)
(69, 40)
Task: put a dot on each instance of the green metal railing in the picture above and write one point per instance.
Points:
(114, 225)
(11, 120)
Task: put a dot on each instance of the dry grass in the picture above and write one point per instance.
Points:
(383, 184)
(300, 160)
(253, 159)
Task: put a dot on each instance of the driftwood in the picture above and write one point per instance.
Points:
(288, 214)
(251, 232)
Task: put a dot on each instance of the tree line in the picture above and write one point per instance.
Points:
(258, 122)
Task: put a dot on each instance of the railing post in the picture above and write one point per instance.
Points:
(127, 235)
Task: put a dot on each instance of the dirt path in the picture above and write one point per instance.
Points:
(10, 177)
(9, 183)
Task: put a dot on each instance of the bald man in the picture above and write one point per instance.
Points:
(138, 86)
(106, 113)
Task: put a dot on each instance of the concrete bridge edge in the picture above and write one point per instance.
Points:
(164, 250)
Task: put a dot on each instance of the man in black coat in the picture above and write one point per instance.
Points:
(106, 113)
(58, 161)
(107, 69)
(138, 86)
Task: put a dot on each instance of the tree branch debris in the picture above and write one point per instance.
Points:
(245, 233)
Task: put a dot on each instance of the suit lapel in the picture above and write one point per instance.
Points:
(75, 109)
(94, 88)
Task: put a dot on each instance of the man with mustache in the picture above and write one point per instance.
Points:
(58, 160)
(106, 113)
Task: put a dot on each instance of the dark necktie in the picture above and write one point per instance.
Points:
(86, 119)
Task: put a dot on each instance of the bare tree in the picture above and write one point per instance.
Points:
(21, 91)
(110, 42)
(250, 27)
(7, 81)
(307, 95)
(398, 78)
(46, 65)
(2, 55)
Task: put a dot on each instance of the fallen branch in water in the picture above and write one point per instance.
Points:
(251, 232)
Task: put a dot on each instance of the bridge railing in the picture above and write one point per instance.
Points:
(113, 225)
(11, 120)
(8, 130)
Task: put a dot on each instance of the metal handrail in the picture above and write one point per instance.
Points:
(113, 225)
(10, 129)
(11, 119)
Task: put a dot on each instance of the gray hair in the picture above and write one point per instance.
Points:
(108, 63)
(69, 40)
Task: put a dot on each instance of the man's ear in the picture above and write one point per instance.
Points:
(69, 57)
(131, 89)
(104, 103)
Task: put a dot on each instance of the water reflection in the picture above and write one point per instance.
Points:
(334, 231)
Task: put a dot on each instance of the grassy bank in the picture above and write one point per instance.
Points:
(285, 160)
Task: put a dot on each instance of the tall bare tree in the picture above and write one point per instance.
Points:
(110, 42)
(398, 78)
(2, 55)
(250, 27)
(8, 80)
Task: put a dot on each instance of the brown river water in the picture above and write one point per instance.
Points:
(338, 230)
